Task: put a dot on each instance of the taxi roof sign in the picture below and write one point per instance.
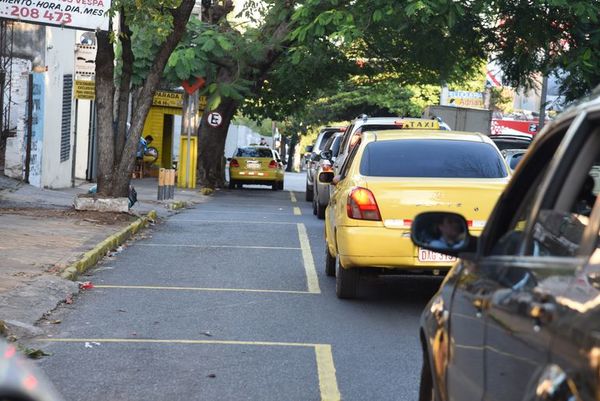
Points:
(417, 124)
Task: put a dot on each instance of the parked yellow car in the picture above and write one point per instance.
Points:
(390, 177)
(257, 165)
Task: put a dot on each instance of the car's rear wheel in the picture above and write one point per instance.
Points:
(346, 281)
(232, 184)
(308, 195)
(281, 185)
(320, 210)
(329, 263)
(275, 186)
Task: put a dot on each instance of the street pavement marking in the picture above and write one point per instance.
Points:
(281, 213)
(221, 246)
(325, 366)
(231, 221)
(293, 197)
(175, 288)
(297, 211)
(309, 264)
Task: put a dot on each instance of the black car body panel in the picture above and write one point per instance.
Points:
(519, 318)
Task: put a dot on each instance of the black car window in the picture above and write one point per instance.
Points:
(348, 161)
(559, 226)
(254, 152)
(514, 161)
(436, 158)
(325, 135)
(335, 146)
(504, 231)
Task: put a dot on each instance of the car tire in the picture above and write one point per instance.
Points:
(308, 195)
(275, 186)
(426, 389)
(314, 206)
(232, 184)
(281, 185)
(329, 263)
(320, 210)
(346, 281)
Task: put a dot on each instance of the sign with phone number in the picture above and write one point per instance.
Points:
(76, 14)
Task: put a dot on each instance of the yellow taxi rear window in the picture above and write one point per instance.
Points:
(254, 152)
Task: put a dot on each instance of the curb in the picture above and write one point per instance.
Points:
(90, 258)
(177, 205)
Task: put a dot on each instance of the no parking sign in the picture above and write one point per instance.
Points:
(214, 119)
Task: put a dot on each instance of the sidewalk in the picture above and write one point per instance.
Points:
(41, 235)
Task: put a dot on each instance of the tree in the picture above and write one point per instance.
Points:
(559, 37)
(146, 36)
(250, 71)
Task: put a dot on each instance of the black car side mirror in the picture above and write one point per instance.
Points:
(326, 154)
(308, 149)
(326, 177)
(442, 232)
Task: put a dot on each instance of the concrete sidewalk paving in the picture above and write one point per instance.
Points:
(41, 235)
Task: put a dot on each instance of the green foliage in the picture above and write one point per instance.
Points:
(553, 36)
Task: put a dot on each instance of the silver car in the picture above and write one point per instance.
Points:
(325, 163)
(312, 163)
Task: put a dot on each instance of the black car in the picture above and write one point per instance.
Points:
(518, 316)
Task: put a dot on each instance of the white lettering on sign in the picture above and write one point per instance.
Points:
(75, 14)
(214, 119)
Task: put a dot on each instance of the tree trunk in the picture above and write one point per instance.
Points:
(211, 145)
(105, 91)
(116, 153)
(292, 152)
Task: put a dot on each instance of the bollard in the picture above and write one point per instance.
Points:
(171, 184)
(161, 184)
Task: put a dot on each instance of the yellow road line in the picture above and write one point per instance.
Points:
(282, 213)
(175, 341)
(285, 248)
(297, 211)
(175, 288)
(309, 264)
(326, 368)
(293, 197)
(231, 221)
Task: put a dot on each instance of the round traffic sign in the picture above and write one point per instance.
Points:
(214, 119)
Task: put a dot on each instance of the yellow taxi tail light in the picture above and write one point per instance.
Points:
(234, 163)
(362, 205)
(273, 164)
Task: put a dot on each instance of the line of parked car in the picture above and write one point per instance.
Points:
(514, 228)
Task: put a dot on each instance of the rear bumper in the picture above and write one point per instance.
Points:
(254, 176)
(380, 247)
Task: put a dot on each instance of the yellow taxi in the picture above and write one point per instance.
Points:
(256, 165)
(388, 178)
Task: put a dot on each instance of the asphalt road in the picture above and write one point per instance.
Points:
(229, 301)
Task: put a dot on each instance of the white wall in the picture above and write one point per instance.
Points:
(83, 138)
(15, 146)
(239, 135)
(60, 58)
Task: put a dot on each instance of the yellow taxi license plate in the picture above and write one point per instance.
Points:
(425, 255)
(252, 165)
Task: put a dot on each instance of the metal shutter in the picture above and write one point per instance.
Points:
(65, 135)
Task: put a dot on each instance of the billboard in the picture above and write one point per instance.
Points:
(465, 99)
(75, 14)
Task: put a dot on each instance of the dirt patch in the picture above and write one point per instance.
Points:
(105, 218)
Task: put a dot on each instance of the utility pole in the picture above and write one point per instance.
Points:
(543, 96)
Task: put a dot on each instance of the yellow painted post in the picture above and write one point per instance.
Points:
(182, 164)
